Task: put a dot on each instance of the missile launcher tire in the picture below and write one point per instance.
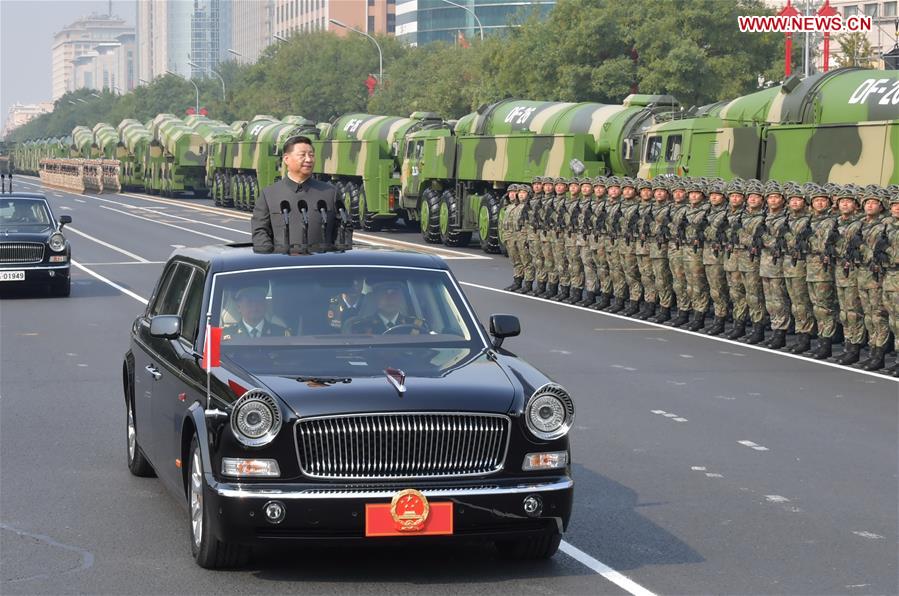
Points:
(367, 220)
(488, 225)
(450, 235)
(429, 216)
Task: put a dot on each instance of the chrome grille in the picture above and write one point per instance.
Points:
(21, 252)
(397, 446)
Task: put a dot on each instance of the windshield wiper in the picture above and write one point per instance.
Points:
(324, 380)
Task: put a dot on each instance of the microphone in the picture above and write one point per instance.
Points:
(323, 211)
(342, 243)
(285, 213)
(304, 246)
(304, 207)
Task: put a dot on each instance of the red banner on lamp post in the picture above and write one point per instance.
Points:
(788, 11)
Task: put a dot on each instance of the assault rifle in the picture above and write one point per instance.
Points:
(881, 257)
(599, 223)
(755, 245)
(852, 251)
(633, 221)
(800, 244)
(646, 225)
(780, 242)
(720, 237)
(830, 248)
(664, 233)
(699, 240)
(616, 222)
(733, 236)
(587, 220)
(680, 236)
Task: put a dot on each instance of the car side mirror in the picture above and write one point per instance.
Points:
(165, 326)
(503, 326)
(64, 219)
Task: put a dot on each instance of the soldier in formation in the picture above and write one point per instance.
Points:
(820, 260)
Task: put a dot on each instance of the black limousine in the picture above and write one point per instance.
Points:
(341, 395)
(33, 249)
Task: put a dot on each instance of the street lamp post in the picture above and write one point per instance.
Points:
(234, 52)
(213, 72)
(470, 11)
(175, 74)
(278, 37)
(373, 40)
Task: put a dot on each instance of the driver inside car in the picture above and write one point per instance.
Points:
(390, 303)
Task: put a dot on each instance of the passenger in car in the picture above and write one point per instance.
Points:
(253, 322)
(345, 305)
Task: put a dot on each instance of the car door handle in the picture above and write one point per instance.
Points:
(153, 371)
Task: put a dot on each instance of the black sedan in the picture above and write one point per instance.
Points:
(345, 395)
(33, 249)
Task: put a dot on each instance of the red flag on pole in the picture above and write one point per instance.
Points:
(370, 83)
(460, 39)
(826, 11)
(212, 348)
(788, 11)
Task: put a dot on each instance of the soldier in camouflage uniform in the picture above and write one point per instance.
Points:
(692, 238)
(851, 314)
(658, 250)
(891, 276)
(598, 246)
(819, 270)
(752, 226)
(521, 238)
(735, 288)
(627, 249)
(642, 250)
(547, 236)
(558, 237)
(777, 300)
(714, 253)
(572, 234)
(533, 233)
(584, 242)
(612, 240)
(869, 275)
(794, 266)
(676, 223)
(511, 210)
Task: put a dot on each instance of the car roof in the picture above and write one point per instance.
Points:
(22, 195)
(237, 257)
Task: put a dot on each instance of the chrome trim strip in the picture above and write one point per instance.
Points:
(9, 267)
(246, 492)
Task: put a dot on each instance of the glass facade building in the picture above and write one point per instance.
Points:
(423, 21)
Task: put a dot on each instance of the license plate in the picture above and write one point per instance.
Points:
(382, 519)
(12, 276)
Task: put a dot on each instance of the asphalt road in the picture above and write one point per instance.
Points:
(701, 466)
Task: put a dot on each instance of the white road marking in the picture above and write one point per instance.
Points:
(725, 397)
(686, 355)
(775, 354)
(109, 282)
(163, 223)
(623, 367)
(869, 535)
(657, 411)
(563, 352)
(752, 445)
(80, 201)
(669, 415)
(680, 419)
(604, 570)
(137, 258)
(56, 194)
(698, 468)
(726, 353)
(714, 475)
(776, 499)
(678, 383)
(124, 263)
(82, 365)
(176, 245)
(65, 208)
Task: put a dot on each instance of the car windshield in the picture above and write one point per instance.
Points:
(23, 212)
(342, 320)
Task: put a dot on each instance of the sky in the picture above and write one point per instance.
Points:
(26, 36)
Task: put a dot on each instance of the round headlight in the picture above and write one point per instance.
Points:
(550, 412)
(256, 418)
(57, 242)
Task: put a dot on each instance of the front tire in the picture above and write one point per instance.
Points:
(451, 235)
(208, 551)
(138, 464)
(531, 548)
(429, 216)
(488, 225)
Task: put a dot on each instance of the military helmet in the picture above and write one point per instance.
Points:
(537, 180)
(718, 186)
(847, 191)
(627, 181)
(678, 183)
(695, 185)
(813, 190)
(660, 182)
(773, 187)
(560, 180)
(754, 187)
(613, 181)
(600, 181)
(871, 191)
(737, 185)
(642, 183)
(791, 189)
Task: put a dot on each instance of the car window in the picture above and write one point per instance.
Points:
(16, 212)
(160, 294)
(171, 299)
(191, 307)
(653, 149)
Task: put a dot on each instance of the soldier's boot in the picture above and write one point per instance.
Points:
(895, 370)
(876, 361)
(698, 321)
(801, 345)
(778, 339)
(541, 287)
(838, 334)
(850, 353)
(516, 283)
(632, 308)
(717, 327)
(824, 349)
(589, 298)
(738, 331)
(648, 309)
(757, 334)
(551, 289)
(525, 286)
(682, 318)
(663, 314)
(575, 295)
(562, 294)
(603, 300)
(616, 305)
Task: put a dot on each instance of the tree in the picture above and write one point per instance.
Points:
(855, 50)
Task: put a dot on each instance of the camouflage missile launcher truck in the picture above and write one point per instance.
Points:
(252, 160)
(133, 151)
(177, 157)
(841, 127)
(453, 180)
(83, 143)
(213, 132)
(106, 138)
(362, 155)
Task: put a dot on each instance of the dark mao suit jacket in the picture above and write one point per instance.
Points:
(268, 223)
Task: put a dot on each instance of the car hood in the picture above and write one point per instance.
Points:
(25, 233)
(480, 385)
